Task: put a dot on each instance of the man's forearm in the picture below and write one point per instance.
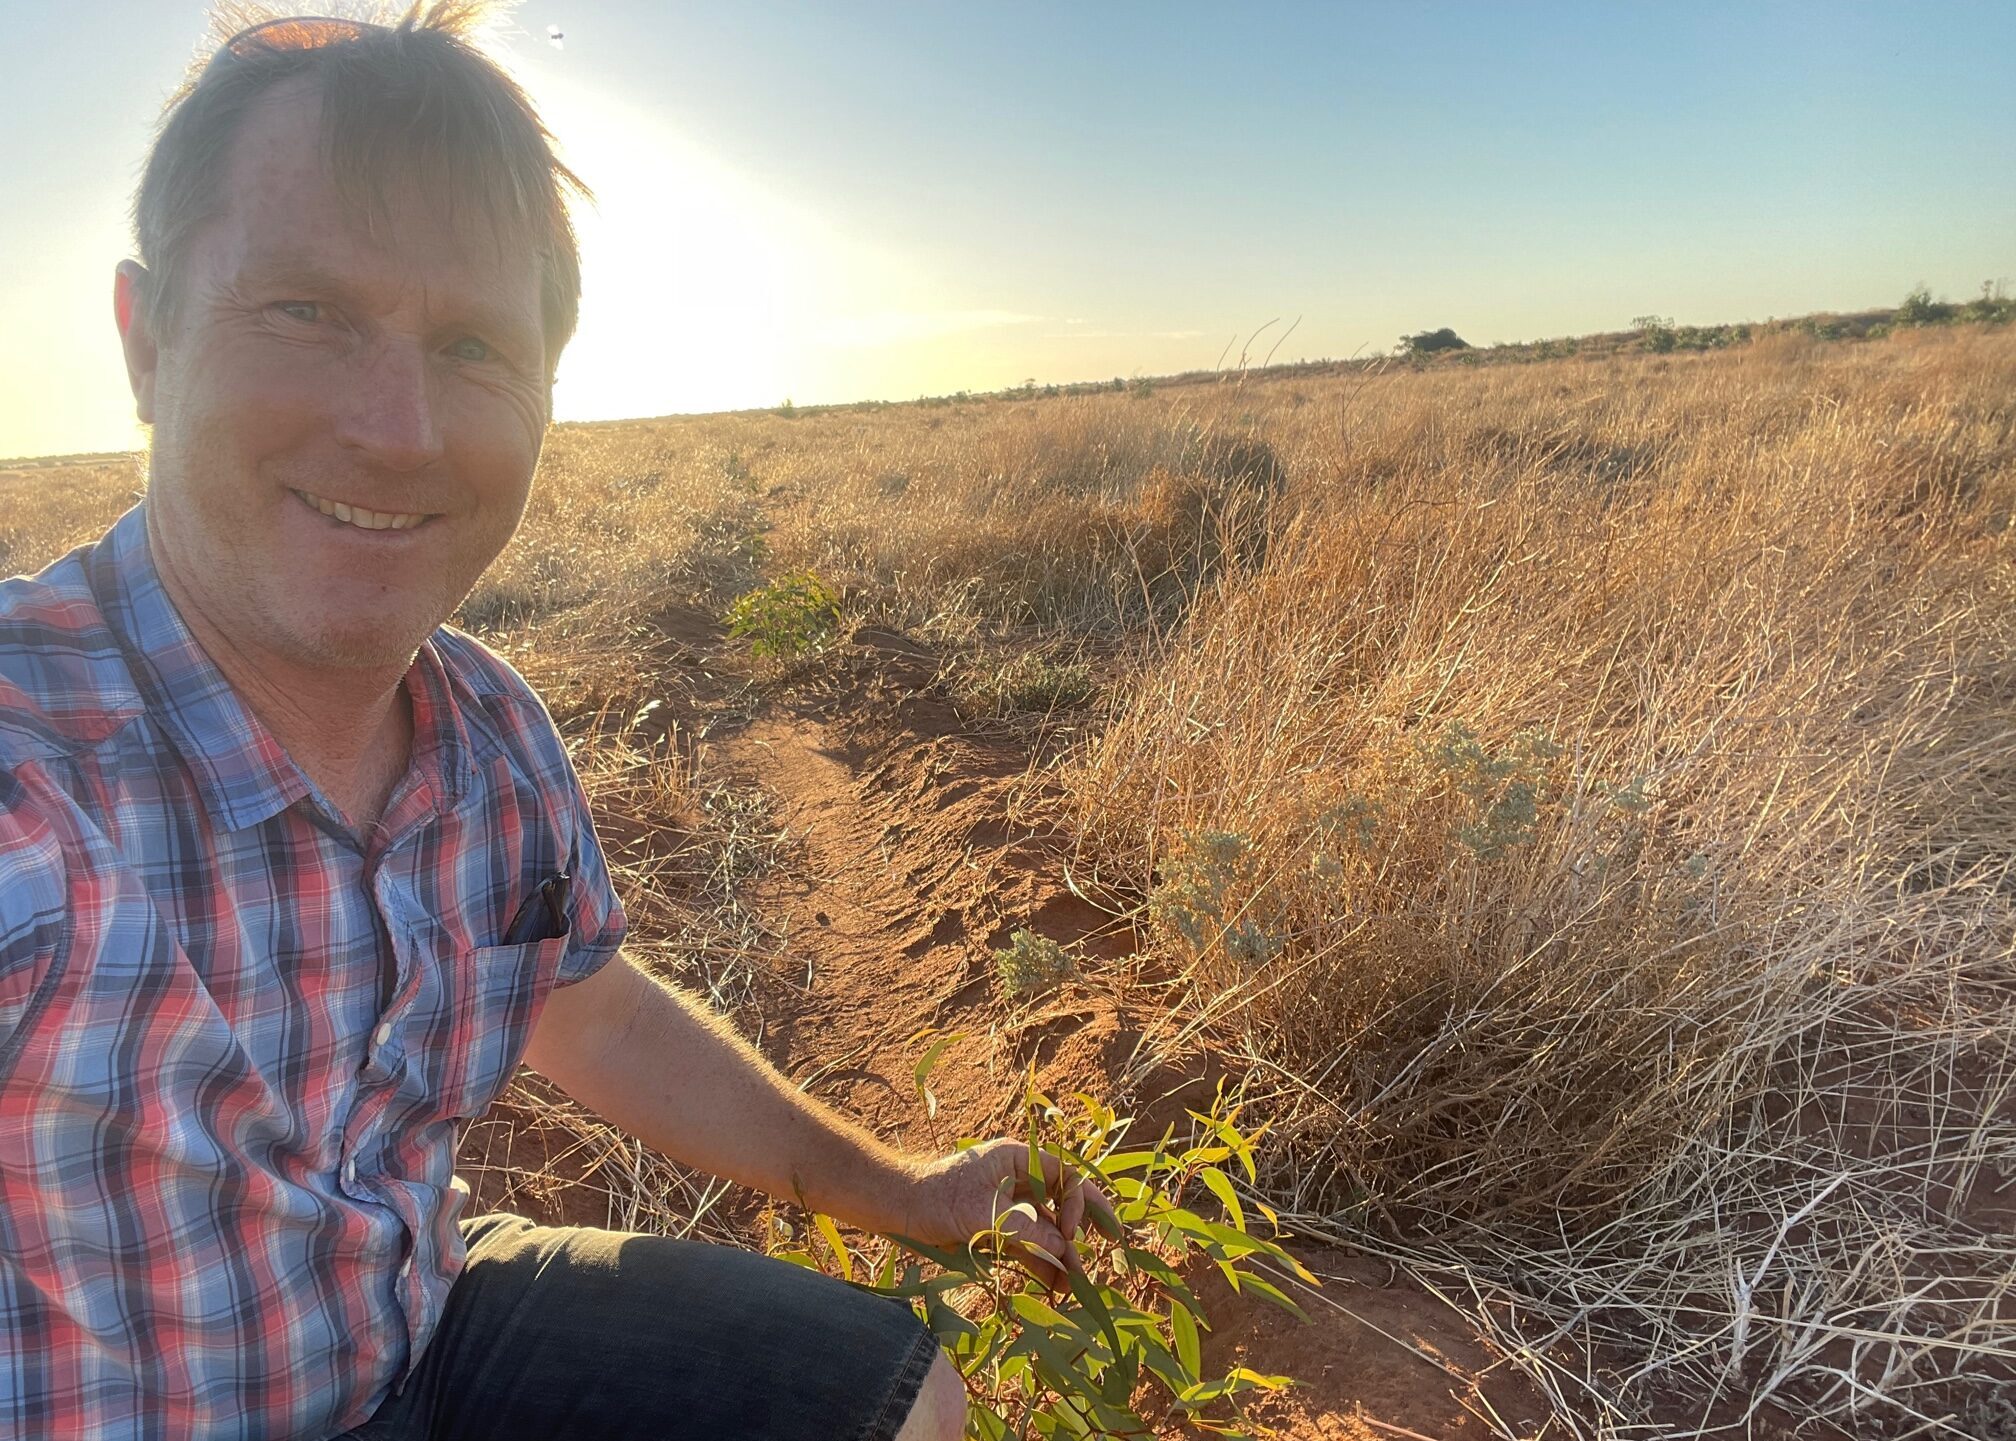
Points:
(658, 1064)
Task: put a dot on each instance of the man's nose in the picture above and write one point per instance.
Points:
(391, 415)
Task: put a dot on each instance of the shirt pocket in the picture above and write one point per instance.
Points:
(504, 989)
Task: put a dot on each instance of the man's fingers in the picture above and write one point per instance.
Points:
(1073, 1198)
(1070, 1216)
(1037, 1244)
(1042, 1234)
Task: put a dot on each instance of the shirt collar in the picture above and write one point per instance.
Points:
(442, 761)
(243, 773)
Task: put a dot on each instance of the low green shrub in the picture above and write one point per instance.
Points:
(1505, 788)
(1210, 892)
(1030, 963)
(1126, 1334)
(793, 615)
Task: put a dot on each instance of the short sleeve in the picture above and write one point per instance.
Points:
(597, 923)
(34, 910)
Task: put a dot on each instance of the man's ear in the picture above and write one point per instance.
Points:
(136, 335)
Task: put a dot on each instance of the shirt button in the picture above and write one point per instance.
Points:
(350, 1171)
(383, 1033)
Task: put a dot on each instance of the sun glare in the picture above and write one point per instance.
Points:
(691, 275)
(705, 288)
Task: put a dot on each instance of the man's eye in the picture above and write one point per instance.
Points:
(470, 348)
(299, 309)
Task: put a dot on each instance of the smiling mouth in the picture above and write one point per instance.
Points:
(359, 518)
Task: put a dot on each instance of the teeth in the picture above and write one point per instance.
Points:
(358, 516)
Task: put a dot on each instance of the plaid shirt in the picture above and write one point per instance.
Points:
(234, 1045)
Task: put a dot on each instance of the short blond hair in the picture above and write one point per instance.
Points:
(406, 100)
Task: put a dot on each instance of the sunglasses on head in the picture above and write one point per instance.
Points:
(295, 32)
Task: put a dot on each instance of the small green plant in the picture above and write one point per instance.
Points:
(1342, 829)
(1030, 683)
(1505, 788)
(1030, 963)
(1081, 1361)
(1630, 798)
(1209, 892)
(793, 615)
(1352, 820)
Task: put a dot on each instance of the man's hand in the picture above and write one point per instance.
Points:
(656, 1063)
(988, 1188)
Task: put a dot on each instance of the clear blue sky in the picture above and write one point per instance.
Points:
(879, 200)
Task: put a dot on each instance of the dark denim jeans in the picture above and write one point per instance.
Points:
(552, 1334)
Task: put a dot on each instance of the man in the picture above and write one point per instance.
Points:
(291, 877)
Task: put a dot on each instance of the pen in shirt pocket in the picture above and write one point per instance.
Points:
(543, 915)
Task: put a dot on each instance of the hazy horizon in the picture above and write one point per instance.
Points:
(1230, 358)
(876, 206)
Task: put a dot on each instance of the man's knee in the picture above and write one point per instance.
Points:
(940, 1412)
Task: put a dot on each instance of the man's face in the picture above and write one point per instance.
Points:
(398, 383)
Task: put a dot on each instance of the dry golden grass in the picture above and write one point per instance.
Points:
(1581, 797)
(1702, 1054)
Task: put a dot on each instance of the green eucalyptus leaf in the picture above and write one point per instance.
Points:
(1220, 1240)
(1166, 1364)
(1037, 1312)
(1216, 1182)
(841, 1254)
(1236, 1381)
(1094, 1303)
(925, 1067)
(1116, 1388)
(947, 1324)
(1189, 1347)
(1150, 1264)
(1119, 1163)
(1251, 1282)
